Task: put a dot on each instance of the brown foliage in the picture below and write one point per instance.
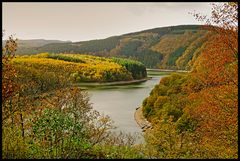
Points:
(216, 69)
(8, 71)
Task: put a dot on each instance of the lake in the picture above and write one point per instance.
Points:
(121, 101)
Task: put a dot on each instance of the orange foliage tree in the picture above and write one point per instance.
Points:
(8, 71)
(216, 72)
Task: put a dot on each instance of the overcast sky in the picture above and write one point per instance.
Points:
(86, 21)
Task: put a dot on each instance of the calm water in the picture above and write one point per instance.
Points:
(120, 102)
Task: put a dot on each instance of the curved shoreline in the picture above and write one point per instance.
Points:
(141, 120)
(113, 83)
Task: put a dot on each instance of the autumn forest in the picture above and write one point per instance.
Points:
(192, 110)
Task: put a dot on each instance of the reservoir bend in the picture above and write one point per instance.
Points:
(121, 101)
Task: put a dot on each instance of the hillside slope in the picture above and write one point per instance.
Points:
(166, 47)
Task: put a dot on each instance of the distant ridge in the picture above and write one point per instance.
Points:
(171, 47)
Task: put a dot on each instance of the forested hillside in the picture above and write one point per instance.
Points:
(171, 47)
(195, 114)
